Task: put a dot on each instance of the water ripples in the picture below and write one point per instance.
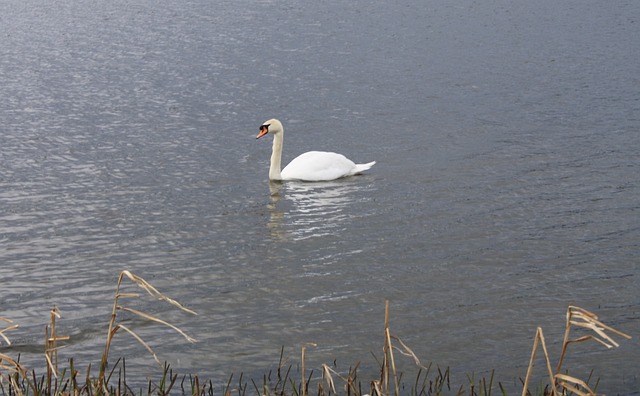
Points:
(315, 209)
(499, 195)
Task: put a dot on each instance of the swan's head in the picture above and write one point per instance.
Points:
(272, 126)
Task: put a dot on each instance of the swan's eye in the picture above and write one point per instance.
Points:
(265, 126)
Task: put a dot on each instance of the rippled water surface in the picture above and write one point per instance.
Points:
(507, 187)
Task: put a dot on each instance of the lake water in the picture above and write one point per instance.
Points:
(507, 183)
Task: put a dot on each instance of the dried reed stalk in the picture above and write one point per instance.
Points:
(304, 378)
(539, 339)
(7, 363)
(577, 317)
(582, 318)
(384, 370)
(389, 348)
(326, 375)
(114, 327)
(12, 327)
(574, 385)
(349, 381)
(381, 387)
(51, 347)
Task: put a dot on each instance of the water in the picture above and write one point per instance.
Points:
(506, 185)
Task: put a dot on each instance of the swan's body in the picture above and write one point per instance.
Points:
(310, 166)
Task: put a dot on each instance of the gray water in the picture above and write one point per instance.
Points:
(507, 187)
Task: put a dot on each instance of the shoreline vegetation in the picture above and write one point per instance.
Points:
(16, 379)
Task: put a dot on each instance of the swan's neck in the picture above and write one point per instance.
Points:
(276, 157)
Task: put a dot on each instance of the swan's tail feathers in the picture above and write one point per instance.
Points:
(363, 167)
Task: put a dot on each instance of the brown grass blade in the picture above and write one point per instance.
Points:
(408, 352)
(60, 338)
(4, 337)
(538, 340)
(590, 321)
(127, 295)
(52, 369)
(376, 387)
(596, 329)
(580, 317)
(140, 340)
(326, 373)
(575, 310)
(304, 378)
(348, 381)
(592, 318)
(154, 292)
(16, 387)
(570, 383)
(393, 362)
(158, 320)
(55, 311)
(11, 365)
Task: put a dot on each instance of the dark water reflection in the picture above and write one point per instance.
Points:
(506, 185)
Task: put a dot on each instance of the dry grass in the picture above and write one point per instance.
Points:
(51, 349)
(17, 380)
(9, 366)
(559, 382)
(54, 383)
(114, 326)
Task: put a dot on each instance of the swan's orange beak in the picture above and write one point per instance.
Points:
(263, 131)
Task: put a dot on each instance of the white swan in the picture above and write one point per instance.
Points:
(310, 166)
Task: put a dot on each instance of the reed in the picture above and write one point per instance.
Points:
(114, 325)
(10, 370)
(15, 379)
(54, 382)
(559, 382)
(390, 380)
(51, 350)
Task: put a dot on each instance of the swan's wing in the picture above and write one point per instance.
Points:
(319, 166)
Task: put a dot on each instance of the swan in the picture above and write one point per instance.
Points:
(310, 166)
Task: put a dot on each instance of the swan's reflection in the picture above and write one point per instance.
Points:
(276, 214)
(301, 210)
